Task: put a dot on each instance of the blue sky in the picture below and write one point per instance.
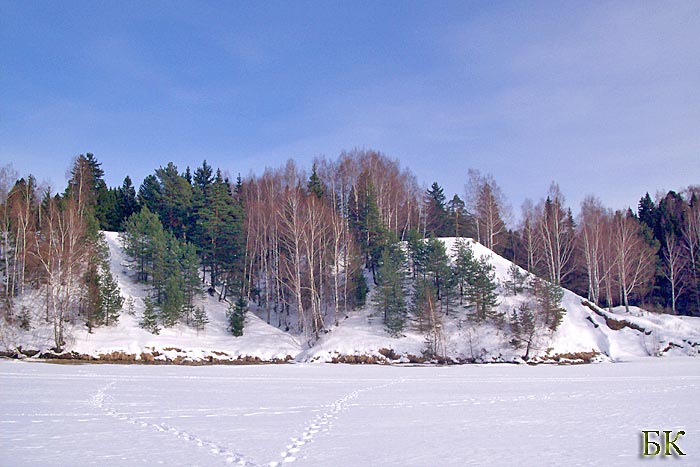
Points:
(602, 97)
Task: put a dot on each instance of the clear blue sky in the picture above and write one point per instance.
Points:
(602, 97)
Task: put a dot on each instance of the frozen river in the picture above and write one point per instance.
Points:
(326, 415)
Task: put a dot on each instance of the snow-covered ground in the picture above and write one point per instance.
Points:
(345, 415)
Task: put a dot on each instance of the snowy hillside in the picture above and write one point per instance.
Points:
(587, 333)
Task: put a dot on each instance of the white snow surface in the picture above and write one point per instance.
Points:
(362, 332)
(346, 415)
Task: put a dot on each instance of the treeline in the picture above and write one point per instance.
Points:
(303, 245)
(54, 258)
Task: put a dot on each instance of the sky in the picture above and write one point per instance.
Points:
(601, 97)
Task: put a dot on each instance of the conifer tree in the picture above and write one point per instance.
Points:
(199, 318)
(517, 280)
(526, 328)
(173, 301)
(390, 293)
(110, 300)
(149, 321)
(236, 315)
(481, 293)
(548, 298)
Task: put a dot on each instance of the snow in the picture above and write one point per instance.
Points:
(344, 415)
(362, 332)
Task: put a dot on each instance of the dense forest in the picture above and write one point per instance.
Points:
(304, 246)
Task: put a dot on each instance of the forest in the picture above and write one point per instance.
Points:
(306, 246)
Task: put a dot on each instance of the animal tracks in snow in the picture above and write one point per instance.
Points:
(318, 425)
(322, 423)
(100, 401)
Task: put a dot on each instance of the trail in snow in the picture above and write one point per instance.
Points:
(230, 456)
(323, 423)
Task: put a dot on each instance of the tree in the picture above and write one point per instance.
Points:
(110, 300)
(149, 321)
(591, 239)
(236, 315)
(436, 216)
(173, 301)
(464, 268)
(459, 223)
(199, 318)
(674, 267)
(527, 328)
(690, 234)
(557, 237)
(390, 293)
(517, 279)
(142, 232)
(481, 292)
(488, 205)
(548, 298)
(635, 259)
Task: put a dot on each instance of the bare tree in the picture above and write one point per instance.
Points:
(674, 264)
(634, 257)
(557, 236)
(691, 246)
(487, 203)
(63, 253)
(529, 234)
(591, 237)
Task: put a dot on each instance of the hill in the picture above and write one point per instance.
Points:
(587, 333)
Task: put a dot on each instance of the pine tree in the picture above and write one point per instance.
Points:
(173, 302)
(199, 318)
(110, 300)
(314, 185)
(464, 267)
(517, 280)
(149, 321)
(548, 298)
(436, 222)
(481, 292)
(189, 271)
(526, 328)
(390, 292)
(236, 315)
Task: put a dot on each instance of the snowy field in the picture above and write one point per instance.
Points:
(337, 415)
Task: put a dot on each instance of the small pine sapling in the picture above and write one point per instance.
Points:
(199, 318)
(517, 280)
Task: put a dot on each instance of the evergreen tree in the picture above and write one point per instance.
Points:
(173, 302)
(459, 221)
(175, 199)
(110, 300)
(390, 292)
(149, 194)
(189, 270)
(236, 315)
(315, 186)
(436, 223)
(199, 318)
(526, 328)
(517, 280)
(126, 202)
(142, 236)
(464, 267)
(149, 321)
(646, 212)
(548, 298)
(481, 293)
(438, 266)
